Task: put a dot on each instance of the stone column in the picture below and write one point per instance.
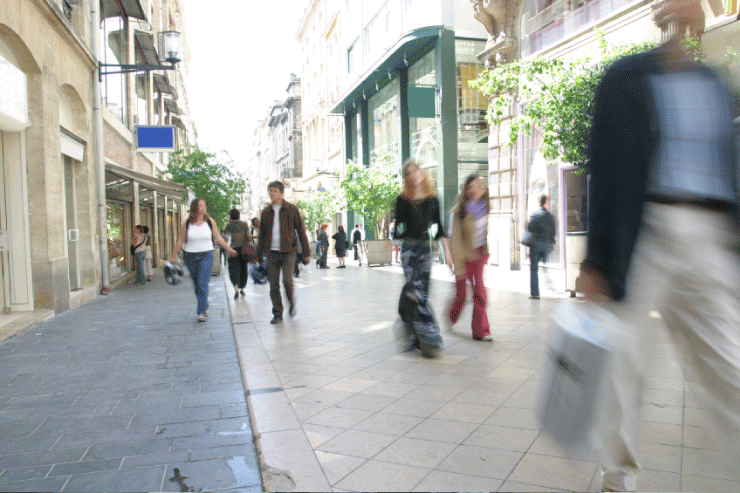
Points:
(155, 231)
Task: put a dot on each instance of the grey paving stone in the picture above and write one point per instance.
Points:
(234, 411)
(25, 473)
(13, 415)
(213, 398)
(243, 450)
(84, 467)
(164, 416)
(12, 461)
(154, 459)
(233, 426)
(210, 441)
(127, 449)
(144, 404)
(219, 474)
(23, 445)
(77, 440)
(60, 426)
(142, 479)
(47, 484)
(20, 429)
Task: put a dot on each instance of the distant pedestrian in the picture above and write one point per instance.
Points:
(138, 249)
(240, 236)
(281, 226)
(663, 236)
(469, 247)
(149, 256)
(357, 242)
(323, 246)
(542, 226)
(197, 235)
(395, 242)
(340, 245)
(417, 209)
(255, 230)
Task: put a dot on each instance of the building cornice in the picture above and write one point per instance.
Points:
(307, 14)
(54, 15)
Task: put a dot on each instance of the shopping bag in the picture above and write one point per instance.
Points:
(576, 398)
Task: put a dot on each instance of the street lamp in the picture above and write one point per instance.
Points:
(170, 49)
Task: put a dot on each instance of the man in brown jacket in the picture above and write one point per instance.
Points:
(277, 241)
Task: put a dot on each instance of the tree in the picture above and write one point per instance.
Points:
(210, 177)
(558, 96)
(317, 208)
(371, 191)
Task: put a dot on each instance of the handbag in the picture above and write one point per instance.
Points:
(249, 254)
(527, 239)
(133, 248)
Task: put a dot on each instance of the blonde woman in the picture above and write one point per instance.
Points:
(417, 209)
(469, 246)
(197, 235)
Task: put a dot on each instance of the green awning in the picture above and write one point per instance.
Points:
(408, 49)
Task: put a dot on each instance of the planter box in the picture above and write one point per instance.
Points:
(378, 252)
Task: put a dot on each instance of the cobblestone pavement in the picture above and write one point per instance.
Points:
(127, 393)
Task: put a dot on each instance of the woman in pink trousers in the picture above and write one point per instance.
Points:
(469, 247)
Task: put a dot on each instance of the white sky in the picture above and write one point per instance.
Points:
(242, 55)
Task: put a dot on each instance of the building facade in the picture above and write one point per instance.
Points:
(277, 149)
(50, 236)
(530, 28)
(405, 66)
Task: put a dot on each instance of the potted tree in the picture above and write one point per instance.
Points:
(372, 192)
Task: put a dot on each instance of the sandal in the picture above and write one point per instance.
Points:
(201, 318)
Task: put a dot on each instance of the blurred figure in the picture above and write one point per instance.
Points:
(664, 233)
(357, 242)
(255, 230)
(395, 243)
(322, 246)
(469, 247)
(281, 227)
(149, 256)
(238, 230)
(542, 227)
(417, 209)
(340, 245)
(138, 250)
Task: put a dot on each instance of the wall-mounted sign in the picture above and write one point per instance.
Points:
(155, 138)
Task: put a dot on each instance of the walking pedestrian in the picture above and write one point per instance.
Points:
(280, 224)
(469, 247)
(197, 235)
(149, 256)
(417, 209)
(340, 245)
(240, 236)
(542, 226)
(323, 246)
(255, 230)
(138, 249)
(357, 242)
(663, 236)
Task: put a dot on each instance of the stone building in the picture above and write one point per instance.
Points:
(277, 148)
(50, 244)
(319, 38)
(529, 28)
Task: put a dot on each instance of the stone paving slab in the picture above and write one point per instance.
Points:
(337, 405)
(127, 393)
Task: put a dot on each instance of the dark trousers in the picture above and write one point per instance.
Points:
(200, 265)
(537, 253)
(238, 269)
(277, 262)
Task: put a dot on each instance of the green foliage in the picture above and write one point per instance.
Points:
(317, 208)
(371, 191)
(559, 98)
(210, 177)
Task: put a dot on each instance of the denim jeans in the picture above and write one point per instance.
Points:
(140, 259)
(278, 262)
(537, 252)
(200, 265)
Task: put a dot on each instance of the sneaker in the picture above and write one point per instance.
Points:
(276, 320)
(292, 311)
(534, 297)
(236, 296)
(489, 337)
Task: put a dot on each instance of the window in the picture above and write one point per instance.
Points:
(352, 57)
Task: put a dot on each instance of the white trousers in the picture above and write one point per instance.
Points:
(686, 266)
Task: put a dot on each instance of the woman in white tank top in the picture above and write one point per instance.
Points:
(197, 235)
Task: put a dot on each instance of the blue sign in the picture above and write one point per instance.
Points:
(155, 138)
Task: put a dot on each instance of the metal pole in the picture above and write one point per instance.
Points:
(98, 138)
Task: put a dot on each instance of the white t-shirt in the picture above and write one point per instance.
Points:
(275, 245)
(200, 238)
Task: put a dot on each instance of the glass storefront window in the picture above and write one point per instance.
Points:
(117, 236)
(425, 132)
(113, 42)
(472, 128)
(384, 134)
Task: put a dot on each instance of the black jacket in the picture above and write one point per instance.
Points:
(622, 143)
(542, 226)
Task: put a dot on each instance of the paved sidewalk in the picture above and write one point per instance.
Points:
(127, 393)
(336, 405)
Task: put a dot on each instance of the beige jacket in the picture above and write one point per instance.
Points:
(461, 241)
